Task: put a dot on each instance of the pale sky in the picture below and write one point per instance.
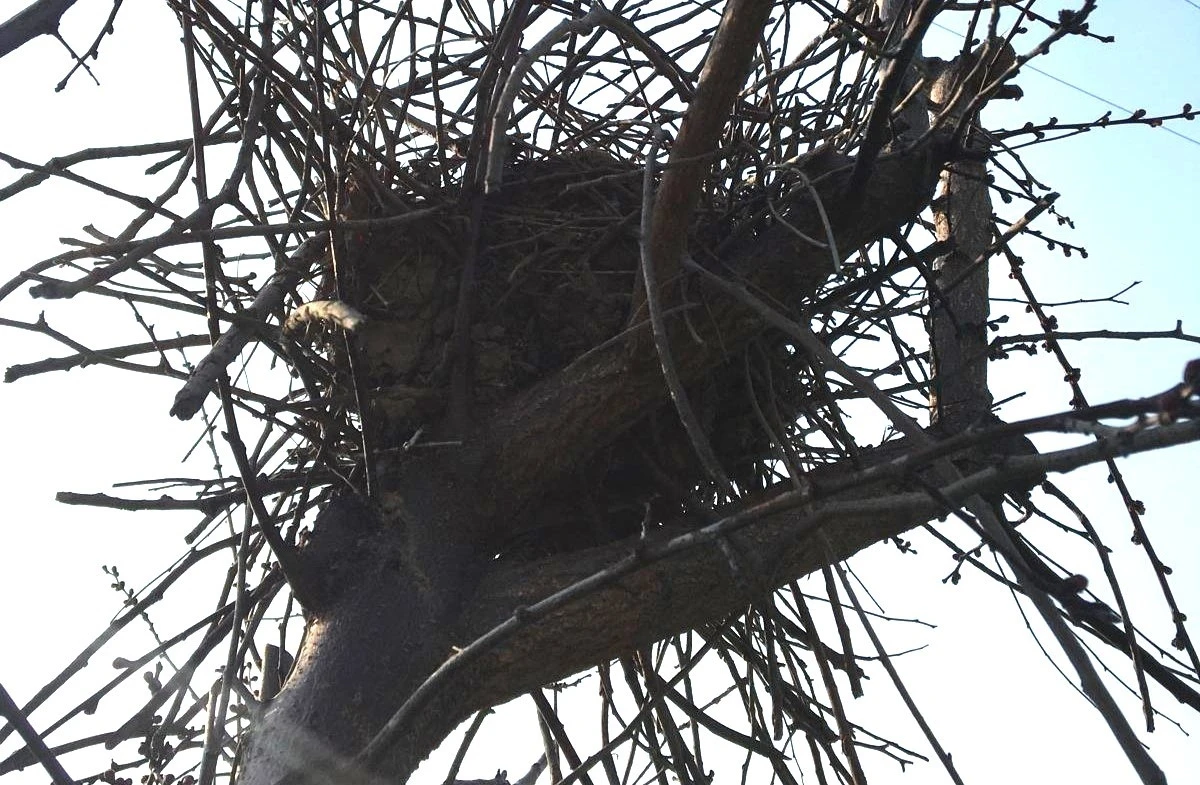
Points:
(997, 705)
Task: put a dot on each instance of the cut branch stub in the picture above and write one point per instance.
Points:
(959, 305)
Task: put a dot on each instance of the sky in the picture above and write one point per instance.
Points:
(1133, 194)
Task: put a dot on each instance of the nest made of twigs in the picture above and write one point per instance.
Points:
(554, 269)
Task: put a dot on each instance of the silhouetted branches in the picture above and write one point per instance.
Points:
(497, 380)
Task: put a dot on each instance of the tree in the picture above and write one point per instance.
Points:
(587, 318)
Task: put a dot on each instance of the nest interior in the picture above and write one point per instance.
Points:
(555, 267)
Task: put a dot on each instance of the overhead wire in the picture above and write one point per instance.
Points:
(1086, 92)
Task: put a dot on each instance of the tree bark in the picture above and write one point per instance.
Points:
(959, 307)
(363, 657)
(366, 654)
(591, 402)
(411, 579)
(415, 580)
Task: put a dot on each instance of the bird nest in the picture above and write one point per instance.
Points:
(554, 268)
(553, 271)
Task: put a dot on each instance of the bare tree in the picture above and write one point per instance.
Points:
(560, 313)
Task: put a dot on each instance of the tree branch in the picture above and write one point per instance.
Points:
(591, 402)
(725, 69)
(38, 18)
(534, 622)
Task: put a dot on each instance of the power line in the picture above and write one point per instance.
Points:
(1107, 102)
(1088, 93)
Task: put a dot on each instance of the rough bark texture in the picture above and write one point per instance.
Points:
(365, 655)
(960, 306)
(414, 578)
(592, 401)
(959, 315)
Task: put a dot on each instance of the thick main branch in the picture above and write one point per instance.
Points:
(402, 603)
(371, 652)
(553, 427)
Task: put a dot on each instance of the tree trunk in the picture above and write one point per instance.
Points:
(365, 655)
(410, 579)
